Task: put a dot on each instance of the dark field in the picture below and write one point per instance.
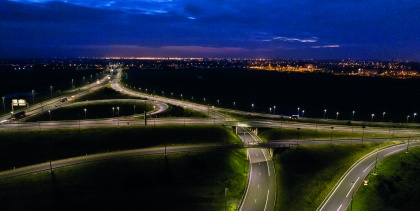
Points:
(288, 91)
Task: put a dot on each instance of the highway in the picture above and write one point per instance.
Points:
(110, 155)
(341, 195)
(261, 190)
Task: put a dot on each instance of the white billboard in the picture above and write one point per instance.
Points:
(18, 102)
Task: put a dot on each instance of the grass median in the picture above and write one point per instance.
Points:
(395, 187)
(23, 148)
(182, 181)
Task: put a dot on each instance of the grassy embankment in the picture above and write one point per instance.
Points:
(23, 148)
(395, 187)
(183, 181)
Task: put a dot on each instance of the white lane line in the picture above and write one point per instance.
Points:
(266, 161)
(249, 182)
(369, 166)
(255, 201)
(339, 207)
(352, 187)
(256, 154)
(258, 185)
(268, 193)
(395, 151)
(260, 173)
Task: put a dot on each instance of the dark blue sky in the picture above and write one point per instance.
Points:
(301, 29)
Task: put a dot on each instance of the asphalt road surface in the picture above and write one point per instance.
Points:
(341, 195)
(261, 189)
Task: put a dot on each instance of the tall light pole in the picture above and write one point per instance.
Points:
(113, 112)
(383, 116)
(134, 110)
(331, 134)
(4, 107)
(172, 94)
(204, 100)
(118, 119)
(325, 111)
(298, 112)
(270, 110)
(274, 110)
(303, 113)
(154, 120)
(33, 97)
(414, 116)
(49, 112)
(352, 118)
(51, 90)
(218, 103)
(72, 83)
(252, 107)
(336, 116)
(85, 113)
(408, 118)
(234, 106)
(373, 115)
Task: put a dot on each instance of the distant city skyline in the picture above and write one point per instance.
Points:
(306, 29)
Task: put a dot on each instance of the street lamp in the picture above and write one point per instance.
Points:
(352, 118)
(325, 111)
(85, 113)
(408, 118)
(118, 111)
(331, 134)
(154, 121)
(274, 110)
(336, 116)
(270, 110)
(303, 113)
(252, 107)
(4, 107)
(298, 112)
(49, 112)
(112, 112)
(172, 94)
(33, 97)
(373, 115)
(72, 83)
(414, 116)
(134, 110)
(234, 106)
(383, 116)
(51, 90)
(218, 103)
(204, 100)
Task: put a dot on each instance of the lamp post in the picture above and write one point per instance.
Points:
(154, 120)
(85, 113)
(134, 113)
(270, 110)
(274, 111)
(113, 112)
(51, 90)
(303, 113)
(373, 115)
(49, 112)
(408, 118)
(298, 112)
(336, 116)
(414, 116)
(4, 107)
(204, 100)
(352, 117)
(72, 83)
(252, 107)
(118, 115)
(172, 94)
(33, 97)
(383, 116)
(234, 106)
(325, 111)
(218, 103)
(331, 134)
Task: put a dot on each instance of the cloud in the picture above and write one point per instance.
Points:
(291, 39)
(326, 46)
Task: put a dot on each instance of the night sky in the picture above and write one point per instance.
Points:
(301, 29)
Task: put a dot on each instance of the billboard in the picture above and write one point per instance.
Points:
(18, 102)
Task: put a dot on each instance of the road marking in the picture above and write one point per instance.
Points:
(268, 193)
(258, 185)
(266, 161)
(369, 166)
(256, 154)
(393, 152)
(260, 173)
(249, 182)
(352, 187)
(339, 207)
(255, 201)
